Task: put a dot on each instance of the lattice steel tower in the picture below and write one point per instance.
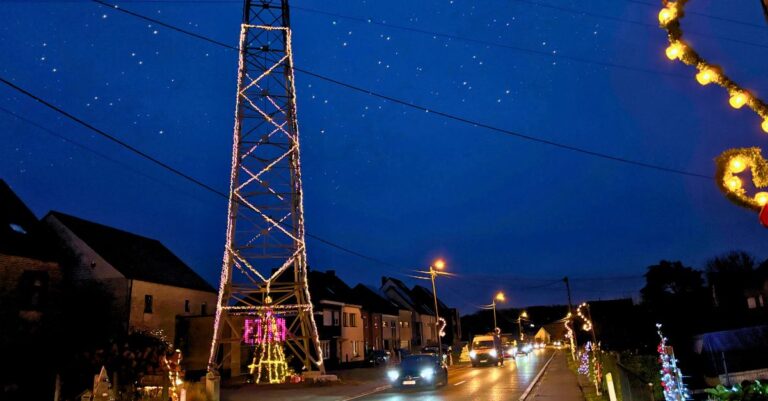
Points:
(265, 259)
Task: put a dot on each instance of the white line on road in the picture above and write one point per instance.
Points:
(536, 379)
(374, 391)
(461, 382)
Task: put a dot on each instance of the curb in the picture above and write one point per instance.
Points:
(536, 379)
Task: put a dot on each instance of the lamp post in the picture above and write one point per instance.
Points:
(434, 271)
(499, 297)
(524, 314)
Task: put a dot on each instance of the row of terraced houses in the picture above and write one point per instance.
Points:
(153, 290)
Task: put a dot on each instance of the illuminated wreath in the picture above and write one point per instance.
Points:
(733, 161)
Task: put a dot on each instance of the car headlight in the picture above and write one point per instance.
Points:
(393, 375)
(511, 350)
(427, 373)
(472, 354)
(493, 353)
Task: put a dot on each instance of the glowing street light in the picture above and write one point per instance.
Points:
(499, 297)
(434, 271)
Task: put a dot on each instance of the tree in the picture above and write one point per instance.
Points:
(729, 276)
(670, 282)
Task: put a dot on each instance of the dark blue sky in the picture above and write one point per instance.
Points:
(387, 181)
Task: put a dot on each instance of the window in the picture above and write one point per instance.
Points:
(352, 320)
(325, 346)
(355, 345)
(384, 324)
(346, 319)
(335, 318)
(204, 308)
(147, 303)
(19, 229)
(327, 320)
(186, 306)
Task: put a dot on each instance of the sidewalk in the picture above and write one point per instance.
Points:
(558, 382)
(352, 382)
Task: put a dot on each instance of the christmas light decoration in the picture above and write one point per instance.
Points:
(270, 335)
(442, 323)
(587, 323)
(732, 186)
(735, 161)
(671, 376)
(584, 365)
(569, 335)
(679, 49)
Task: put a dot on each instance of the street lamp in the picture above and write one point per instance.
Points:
(524, 314)
(499, 297)
(434, 271)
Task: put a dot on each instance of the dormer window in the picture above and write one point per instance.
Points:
(19, 229)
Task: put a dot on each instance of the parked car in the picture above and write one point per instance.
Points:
(379, 357)
(419, 370)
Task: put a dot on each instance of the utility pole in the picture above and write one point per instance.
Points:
(574, 343)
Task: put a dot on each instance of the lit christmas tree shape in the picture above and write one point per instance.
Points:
(671, 376)
(270, 336)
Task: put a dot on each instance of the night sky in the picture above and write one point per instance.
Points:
(396, 184)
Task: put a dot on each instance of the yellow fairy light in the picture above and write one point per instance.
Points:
(765, 125)
(706, 76)
(675, 50)
(738, 99)
(733, 183)
(737, 165)
(667, 14)
(761, 198)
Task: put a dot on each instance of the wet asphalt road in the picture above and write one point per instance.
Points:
(481, 383)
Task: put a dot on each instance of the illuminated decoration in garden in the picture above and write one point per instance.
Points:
(733, 161)
(569, 334)
(671, 376)
(270, 336)
(584, 364)
(265, 253)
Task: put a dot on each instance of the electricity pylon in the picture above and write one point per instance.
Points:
(265, 258)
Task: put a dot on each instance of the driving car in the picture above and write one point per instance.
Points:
(484, 352)
(419, 370)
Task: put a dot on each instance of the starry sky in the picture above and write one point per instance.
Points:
(397, 184)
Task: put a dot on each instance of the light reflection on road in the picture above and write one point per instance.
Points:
(482, 383)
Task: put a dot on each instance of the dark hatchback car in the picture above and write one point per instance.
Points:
(419, 370)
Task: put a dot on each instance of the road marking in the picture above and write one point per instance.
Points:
(461, 382)
(374, 391)
(536, 379)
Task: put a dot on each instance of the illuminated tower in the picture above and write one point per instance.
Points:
(265, 255)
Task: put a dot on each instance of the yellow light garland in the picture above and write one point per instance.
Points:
(735, 161)
(669, 20)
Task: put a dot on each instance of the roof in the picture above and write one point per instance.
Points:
(424, 297)
(373, 301)
(134, 256)
(326, 286)
(402, 290)
(21, 233)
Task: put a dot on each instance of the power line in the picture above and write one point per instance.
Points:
(433, 111)
(175, 170)
(699, 14)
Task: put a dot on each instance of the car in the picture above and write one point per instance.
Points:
(483, 351)
(419, 370)
(523, 349)
(379, 357)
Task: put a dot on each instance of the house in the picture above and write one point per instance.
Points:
(339, 318)
(452, 330)
(30, 276)
(151, 286)
(421, 316)
(380, 317)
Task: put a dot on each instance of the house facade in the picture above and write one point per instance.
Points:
(380, 319)
(151, 286)
(340, 328)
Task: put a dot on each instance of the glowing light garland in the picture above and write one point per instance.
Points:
(671, 376)
(732, 161)
(441, 323)
(584, 365)
(587, 323)
(570, 335)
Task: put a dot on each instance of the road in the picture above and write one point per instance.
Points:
(481, 383)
